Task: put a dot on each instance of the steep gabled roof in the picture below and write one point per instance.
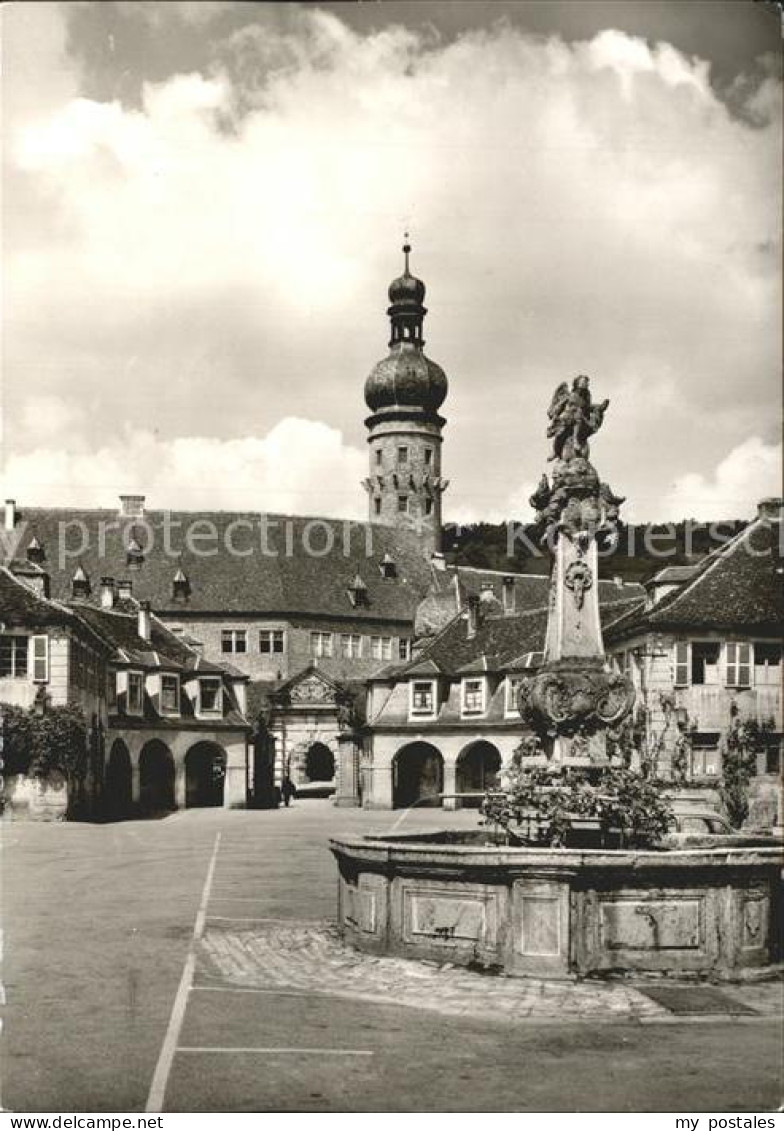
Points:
(234, 562)
(21, 607)
(120, 630)
(739, 587)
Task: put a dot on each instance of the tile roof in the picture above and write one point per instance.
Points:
(120, 629)
(501, 642)
(284, 579)
(739, 587)
(20, 607)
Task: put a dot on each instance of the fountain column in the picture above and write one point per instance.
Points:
(574, 697)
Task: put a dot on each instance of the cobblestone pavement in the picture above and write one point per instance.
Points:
(310, 958)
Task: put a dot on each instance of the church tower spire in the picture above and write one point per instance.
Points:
(404, 393)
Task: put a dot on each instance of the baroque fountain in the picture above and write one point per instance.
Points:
(533, 902)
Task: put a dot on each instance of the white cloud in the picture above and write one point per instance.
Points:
(299, 467)
(750, 472)
(217, 259)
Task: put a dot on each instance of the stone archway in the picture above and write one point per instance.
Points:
(477, 770)
(118, 783)
(156, 778)
(319, 763)
(417, 775)
(205, 774)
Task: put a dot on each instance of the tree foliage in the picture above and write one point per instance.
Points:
(742, 741)
(538, 805)
(39, 744)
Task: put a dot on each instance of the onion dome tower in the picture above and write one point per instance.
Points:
(404, 393)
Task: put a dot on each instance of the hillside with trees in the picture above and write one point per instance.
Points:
(641, 550)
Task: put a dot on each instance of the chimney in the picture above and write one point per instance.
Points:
(131, 506)
(769, 510)
(124, 590)
(144, 620)
(10, 513)
(107, 593)
(473, 616)
(510, 598)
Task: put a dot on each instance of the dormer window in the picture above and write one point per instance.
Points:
(423, 698)
(35, 551)
(80, 584)
(358, 593)
(135, 697)
(474, 693)
(513, 683)
(170, 695)
(210, 696)
(134, 555)
(181, 588)
(388, 566)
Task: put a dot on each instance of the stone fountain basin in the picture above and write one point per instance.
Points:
(449, 896)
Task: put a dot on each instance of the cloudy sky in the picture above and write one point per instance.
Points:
(204, 205)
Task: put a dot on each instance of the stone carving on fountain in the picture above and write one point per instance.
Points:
(574, 698)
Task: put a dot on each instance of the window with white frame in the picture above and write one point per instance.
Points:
(170, 694)
(705, 757)
(738, 664)
(234, 640)
(14, 651)
(512, 688)
(381, 647)
(210, 695)
(404, 648)
(135, 696)
(767, 663)
(473, 696)
(351, 645)
(321, 643)
(271, 641)
(423, 697)
(681, 663)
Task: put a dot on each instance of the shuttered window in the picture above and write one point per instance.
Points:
(681, 663)
(40, 659)
(738, 664)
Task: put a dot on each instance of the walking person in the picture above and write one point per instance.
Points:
(288, 790)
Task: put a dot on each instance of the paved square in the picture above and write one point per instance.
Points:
(107, 990)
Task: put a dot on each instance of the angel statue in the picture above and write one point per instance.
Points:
(573, 418)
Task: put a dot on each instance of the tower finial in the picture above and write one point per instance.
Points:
(406, 250)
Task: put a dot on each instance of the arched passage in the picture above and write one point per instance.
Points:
(117, 787)
(478, 767)
(417, 775)
(205, 773)
(156, 778)
(319, 763)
